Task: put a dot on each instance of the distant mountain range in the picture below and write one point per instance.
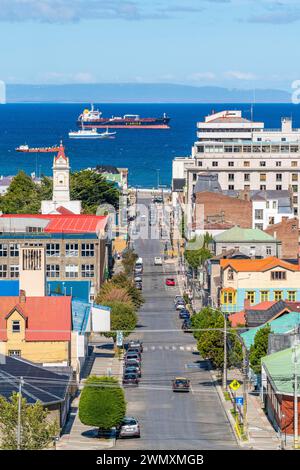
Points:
(140, 93)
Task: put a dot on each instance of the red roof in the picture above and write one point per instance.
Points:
(262, 305)
(61, 152)
(237, 319)
(48, 318)
(257, 265)
(68, 223)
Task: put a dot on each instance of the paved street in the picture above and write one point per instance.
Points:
(195, 420)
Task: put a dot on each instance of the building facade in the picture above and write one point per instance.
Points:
(244, 155)
(257, 280)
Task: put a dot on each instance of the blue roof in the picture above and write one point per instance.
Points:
(81, 311)
(281, 325)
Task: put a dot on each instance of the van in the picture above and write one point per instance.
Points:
(139, 263)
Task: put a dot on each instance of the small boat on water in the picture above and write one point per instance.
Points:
(91, 134)
(26, 149)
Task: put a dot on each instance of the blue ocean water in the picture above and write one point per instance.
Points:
(143, 152)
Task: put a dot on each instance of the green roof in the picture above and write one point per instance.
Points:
(281, 325)
(238, 234)
(280, 367)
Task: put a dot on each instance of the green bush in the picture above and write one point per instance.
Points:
(102, 403)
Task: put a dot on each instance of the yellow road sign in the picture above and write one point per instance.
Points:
(235, 385)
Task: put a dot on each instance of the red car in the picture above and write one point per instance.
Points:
(170, 281)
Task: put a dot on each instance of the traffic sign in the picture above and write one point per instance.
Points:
(119, 338)
(235, 385)
(239, 401)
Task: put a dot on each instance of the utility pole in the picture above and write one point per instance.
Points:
(19, 414)
(245, 387)
(296, 441)
(225, 354)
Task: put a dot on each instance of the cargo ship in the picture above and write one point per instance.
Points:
(26, 149)
(92, 118)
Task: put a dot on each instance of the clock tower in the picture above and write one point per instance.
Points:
(61, 187)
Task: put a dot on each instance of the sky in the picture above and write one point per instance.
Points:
(231, 43)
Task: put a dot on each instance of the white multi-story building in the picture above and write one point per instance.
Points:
(244, 154)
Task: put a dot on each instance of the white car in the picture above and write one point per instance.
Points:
(157, 261)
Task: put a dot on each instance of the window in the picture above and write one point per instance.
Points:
(250, 295)
(52, 249)
(278, 163)
(199, 163)
(230, 163)
(294, 176)
(268, 250)
(194, 179)
(246, 187)
(291, 295)
(259, 214)
(3, 270)
(278, 295)
(274, 204)
(264, 295)
(231, 176)
(263, 176)
(230, 275)
(262, 187)
(72, 249)
(72, 270)
(214, 163)
(294, 188)
(278, 187)
(228, 297)
(87, 270)
(230, 187)
(14, 249)
(262, 163)
(52, 270)
(295, 199)
(88, 249)
(34, 229)
(259, 226)
(294, 163)
(278, 176)
(271, 220)
(14, 352)
(14, 270)
(3, 249)
(278, 275)
(246, 163)
(247, 177)
(16, 327)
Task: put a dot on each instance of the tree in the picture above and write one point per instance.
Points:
(92, 189)
(122, 318)
(37, 431)
(102, 403)
(110, 292)
(121, 280)
(22, 196)
(128, 261)
(197, 251)
(209, 326)
(259, 348)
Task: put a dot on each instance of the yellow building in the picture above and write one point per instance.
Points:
(36, 328)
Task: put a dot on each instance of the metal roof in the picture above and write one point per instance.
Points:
(238, 234)
(280, 368)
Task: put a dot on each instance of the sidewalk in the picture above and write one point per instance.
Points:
(76, 435)
(262, 435)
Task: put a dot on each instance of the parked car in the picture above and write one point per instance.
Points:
(131, 378)
(138, 278)
(139, 285)
(138, 270)
(178, 299)
(184, 314)
(129, 428)
(181, 384)
(133, 352)
(134, 349)
(133, 362)
(157, 261)
(136, 357)
(187, 326)
(135, 344)
(132, 370)
(180, 307)
(170, 281)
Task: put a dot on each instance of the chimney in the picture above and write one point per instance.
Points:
(22, 296)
